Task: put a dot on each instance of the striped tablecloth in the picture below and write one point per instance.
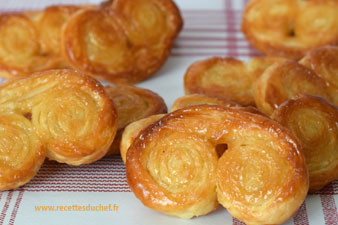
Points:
(211, 28)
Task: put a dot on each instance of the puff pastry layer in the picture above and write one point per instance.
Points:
(173, 167)
(289, 28)
(71, 112)
(21, 152)
(132, 103)
(226, 77)
(314, 121)
(284, 81)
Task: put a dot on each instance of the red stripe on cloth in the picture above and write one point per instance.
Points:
(16, 207)
(5, 208)
(0, 195)
(329, 209)
(236, 222)
(301, 217)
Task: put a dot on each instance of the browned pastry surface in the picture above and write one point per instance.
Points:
(324, 61)
(284, 81)
(132, 103)
(226, 77)
(72, 114)
(289, 28)
(216, 76)
(315, 122)
(173, 167)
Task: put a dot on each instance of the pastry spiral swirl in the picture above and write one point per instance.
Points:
(284, 81)
(172, 166)
(21, 152)
(289, 28)
(71, 112)
(314, 121)
(132, 104)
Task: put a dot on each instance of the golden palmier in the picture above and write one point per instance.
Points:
(324, 61)
(132, 130)
(151, 27)
(226, 77)
(71, 112)
(173, 167)
(122, 42)
(20, 48)
(197, 99)
(315, 122)
(132, 103)
(289, 28)
(21, 152)
(284, 81)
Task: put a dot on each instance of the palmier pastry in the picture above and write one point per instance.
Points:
(197, 99)
(226, 77)
(122, 42)
(284, 81)
(314, 121)
(151, 27)
(289, 28)
(71, 112)
(21, 152)
(132, 130)
(20, 48)
(172, 166)
(324, 61)
(132, 103)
